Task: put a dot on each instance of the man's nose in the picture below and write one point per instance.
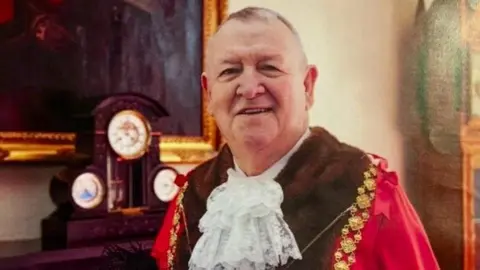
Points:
(250, 86)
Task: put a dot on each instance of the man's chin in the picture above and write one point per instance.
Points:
(257, 140)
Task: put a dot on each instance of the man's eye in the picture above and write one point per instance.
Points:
(229, 71)
(268, 67)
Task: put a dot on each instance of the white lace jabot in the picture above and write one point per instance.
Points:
(243, 228)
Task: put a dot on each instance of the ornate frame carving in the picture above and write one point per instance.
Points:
(33, 146)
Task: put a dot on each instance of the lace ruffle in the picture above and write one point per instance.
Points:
(243, 227)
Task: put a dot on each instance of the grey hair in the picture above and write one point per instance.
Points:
(249, 14)
(262, 14)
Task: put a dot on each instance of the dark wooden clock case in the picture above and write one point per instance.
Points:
(140, 214)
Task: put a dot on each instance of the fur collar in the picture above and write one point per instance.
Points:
(329, 157)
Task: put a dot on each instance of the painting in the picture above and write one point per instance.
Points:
(61, 56)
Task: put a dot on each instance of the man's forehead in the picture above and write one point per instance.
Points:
(235, 54)
(256, 37)
(236, 29)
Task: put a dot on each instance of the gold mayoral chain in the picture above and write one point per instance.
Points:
(359, 214)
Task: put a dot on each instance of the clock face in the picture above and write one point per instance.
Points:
(164, 185)
(129, 134)
(87, 191)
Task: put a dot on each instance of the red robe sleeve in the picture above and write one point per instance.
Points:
(394, 237)
(402, 242)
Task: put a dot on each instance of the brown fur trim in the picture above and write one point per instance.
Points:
(320, 181)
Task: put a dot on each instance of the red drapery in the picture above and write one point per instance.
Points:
(6, 10)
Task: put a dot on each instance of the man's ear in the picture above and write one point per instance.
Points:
(309, 83)
(204, 82)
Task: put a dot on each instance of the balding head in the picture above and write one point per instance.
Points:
(249, 14)
(259, 14)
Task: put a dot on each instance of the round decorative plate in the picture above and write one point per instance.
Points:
(87, 191)
(164, 185)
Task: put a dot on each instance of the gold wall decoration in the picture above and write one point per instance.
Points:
(39, 146)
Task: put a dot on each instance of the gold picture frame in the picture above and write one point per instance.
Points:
(39, 146)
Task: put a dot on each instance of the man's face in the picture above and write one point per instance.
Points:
(258, 83)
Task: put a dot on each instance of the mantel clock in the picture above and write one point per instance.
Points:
(121, 194)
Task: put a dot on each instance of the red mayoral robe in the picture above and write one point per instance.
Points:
(346, 210)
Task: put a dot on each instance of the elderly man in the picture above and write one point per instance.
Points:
(281, 195)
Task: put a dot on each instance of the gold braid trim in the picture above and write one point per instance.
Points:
(175, 227)
(359, 215)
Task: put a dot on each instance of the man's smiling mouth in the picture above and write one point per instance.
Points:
(252, 111)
